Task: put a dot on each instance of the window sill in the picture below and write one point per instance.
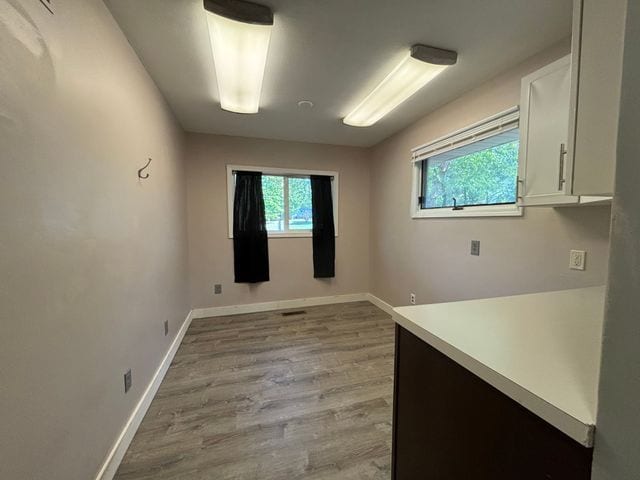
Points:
(482, 211)
(290, 235)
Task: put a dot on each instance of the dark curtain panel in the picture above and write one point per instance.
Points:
(324, 234)
(250, 246)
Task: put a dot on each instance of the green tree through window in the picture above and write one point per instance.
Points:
(273, 194)
(486, 177)
(298, 190)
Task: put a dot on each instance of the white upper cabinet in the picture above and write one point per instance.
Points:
(544, 133)
(598, 40)
(569, 113)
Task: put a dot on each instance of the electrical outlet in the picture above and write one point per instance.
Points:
(127, 381)
(217, 289)
(577, 259)
(475, 247)
(412, 299)
(166, 328)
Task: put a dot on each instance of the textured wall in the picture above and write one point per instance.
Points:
(92, 261)
(290, 259)
(431, 256)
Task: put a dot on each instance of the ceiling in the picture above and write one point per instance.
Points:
(333, 52)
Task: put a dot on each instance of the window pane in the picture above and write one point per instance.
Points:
(273, 194)
(486, 177)
(300, 216)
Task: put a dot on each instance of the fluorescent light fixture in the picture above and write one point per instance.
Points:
(239, 32)
(421, 65)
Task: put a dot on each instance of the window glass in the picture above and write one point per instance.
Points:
(487, 176)
(273, 194)
(300, 213)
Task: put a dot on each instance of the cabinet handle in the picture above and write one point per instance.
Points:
(563, 152)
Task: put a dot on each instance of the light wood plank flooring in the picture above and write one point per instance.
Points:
(265, 396)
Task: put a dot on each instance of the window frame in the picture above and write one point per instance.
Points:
(284, 172)
(479, 130)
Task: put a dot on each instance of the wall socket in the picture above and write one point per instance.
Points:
(412, 298)
(127, 381)
(577, 259)
(166, 328)
(475, 247)
(217, 289)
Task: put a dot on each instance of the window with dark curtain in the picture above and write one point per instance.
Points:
(250, 244)
(324, 237)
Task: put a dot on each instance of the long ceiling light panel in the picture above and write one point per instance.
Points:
(240, 32)
(421, 65)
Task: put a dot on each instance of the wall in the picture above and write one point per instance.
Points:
(290, 259)
(92, 260)
(431, 256)
(617, 443)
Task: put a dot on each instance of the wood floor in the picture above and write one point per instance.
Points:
(266, 396)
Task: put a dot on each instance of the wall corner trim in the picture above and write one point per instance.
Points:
(120, 446)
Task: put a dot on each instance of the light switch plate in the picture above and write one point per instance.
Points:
(577, 259)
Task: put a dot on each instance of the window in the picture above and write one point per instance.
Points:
(287, 203)
(472, 172)
(287, 199)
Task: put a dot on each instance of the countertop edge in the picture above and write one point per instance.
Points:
(563, 421)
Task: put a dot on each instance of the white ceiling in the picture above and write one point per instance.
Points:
(332, 52)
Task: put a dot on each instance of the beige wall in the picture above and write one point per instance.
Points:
(431, 256)
(92, 261)
(290, 259)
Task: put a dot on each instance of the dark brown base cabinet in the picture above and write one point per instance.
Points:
(449, 424)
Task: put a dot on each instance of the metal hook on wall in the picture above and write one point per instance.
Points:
(140, 175)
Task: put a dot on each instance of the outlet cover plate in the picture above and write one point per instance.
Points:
(577, 259)
(475, 247)
(412, 298)
(217, 289)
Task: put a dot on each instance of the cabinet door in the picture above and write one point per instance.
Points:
(544, 134)
(597, 45)
(451, 425)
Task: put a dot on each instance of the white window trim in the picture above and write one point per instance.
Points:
(492, 123)
(335, 191)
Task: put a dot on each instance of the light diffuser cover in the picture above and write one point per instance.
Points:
(240, 55)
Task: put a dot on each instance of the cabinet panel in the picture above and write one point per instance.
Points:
(600, 45)
(544, 133)
(449, 425)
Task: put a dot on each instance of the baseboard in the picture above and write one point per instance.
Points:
(381, 304)
(112, 462)
(277, 305)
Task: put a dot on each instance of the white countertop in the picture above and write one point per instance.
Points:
(542, 349)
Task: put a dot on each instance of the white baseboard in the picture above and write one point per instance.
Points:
(112, 462)
(277, 305)
(381, 304)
